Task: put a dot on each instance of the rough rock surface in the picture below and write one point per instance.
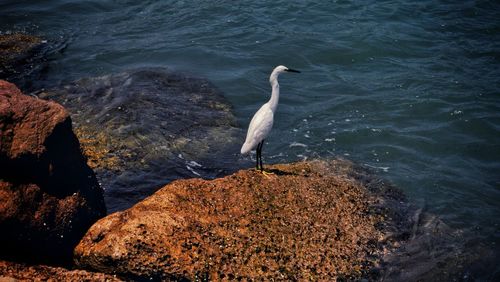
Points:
(49, 197)
(309, 221)
(145, 127)
(11, 272)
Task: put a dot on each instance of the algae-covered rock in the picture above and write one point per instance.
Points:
(21, 58)
(309, 221)
(143, 128)
(318, 220)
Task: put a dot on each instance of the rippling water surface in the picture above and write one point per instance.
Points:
(410, 88)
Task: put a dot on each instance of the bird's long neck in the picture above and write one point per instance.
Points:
(275, 94)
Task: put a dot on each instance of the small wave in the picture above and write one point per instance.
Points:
(297, 144)
(192, 170)
(382, 168)
(194, 164)
(303, 157)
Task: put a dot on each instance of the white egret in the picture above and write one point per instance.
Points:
(262, 121)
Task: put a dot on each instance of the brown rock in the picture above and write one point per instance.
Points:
(10, 271)
(310, 221)
(48, 195)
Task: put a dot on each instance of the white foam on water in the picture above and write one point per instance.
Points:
(382, 168)
(194, 164)
(192, 170)
(297, 144)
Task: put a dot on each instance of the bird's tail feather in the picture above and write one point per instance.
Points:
(246, 148)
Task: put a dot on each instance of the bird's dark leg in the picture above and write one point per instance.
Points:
(258, 157)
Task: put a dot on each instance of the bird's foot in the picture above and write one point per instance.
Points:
(266, 173)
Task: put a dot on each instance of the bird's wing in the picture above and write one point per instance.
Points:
(259, 128)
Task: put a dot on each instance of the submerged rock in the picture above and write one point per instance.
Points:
(49, 197)
(143, 128)
(309, 221)
(436, 252)
(21, 57)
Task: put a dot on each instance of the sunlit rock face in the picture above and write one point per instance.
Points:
(318, 220)
(143, 128)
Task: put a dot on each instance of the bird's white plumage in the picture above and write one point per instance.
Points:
(259, 128)
(262, 122)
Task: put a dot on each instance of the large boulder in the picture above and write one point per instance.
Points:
(320, 220)
(49, 196)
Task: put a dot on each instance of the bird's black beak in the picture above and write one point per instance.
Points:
(292, 70)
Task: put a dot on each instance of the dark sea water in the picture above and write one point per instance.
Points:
(409, 88)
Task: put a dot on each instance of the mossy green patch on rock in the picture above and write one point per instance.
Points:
(99, 148)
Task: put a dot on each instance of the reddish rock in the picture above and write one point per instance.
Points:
(48, 195)
(310, 221)
(11, 272)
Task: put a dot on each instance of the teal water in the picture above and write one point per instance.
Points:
(410, 88)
